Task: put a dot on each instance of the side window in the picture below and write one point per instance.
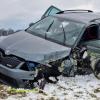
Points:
(56, 32)
(41, 27)
(91, 33)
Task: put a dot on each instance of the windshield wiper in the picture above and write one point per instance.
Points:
(49, 28)
(50, 25)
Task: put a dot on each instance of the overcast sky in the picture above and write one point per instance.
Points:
(17, 14)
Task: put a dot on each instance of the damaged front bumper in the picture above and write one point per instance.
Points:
(12, 73)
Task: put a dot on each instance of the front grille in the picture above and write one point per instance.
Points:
(10, 62)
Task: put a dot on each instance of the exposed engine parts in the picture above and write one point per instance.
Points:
(79, 63)
(82, 59)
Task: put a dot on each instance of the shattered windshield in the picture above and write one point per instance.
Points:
(40, 27)
(56, 29)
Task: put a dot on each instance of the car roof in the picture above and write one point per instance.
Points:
(84, 17)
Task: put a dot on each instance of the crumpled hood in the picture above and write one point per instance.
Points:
(33, 48)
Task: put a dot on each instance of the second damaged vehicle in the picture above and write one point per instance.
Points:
(68, 39)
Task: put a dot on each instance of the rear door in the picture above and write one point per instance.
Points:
(51, 11)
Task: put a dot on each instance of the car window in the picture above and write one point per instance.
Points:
(72, 31)
(51, 11)
(64, 31)
(91, 33)
(41, 27)
(56, 31)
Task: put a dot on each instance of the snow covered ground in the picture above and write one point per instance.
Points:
(68, 88)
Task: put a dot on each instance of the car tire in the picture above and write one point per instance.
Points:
(97, 69)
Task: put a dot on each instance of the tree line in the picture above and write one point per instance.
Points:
(4, 32)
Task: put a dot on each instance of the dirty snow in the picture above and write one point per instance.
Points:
(68, 88)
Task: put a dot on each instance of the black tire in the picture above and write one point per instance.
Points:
(69, 72)
(97, 70)
(72, 71)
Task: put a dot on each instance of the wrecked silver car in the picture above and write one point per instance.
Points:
(70, 37)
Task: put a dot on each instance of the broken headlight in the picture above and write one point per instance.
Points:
(31, 66)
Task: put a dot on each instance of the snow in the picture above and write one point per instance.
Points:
(68, 88)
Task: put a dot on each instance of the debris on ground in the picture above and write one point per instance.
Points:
(68, 88)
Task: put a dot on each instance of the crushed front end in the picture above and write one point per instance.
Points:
(15, 71)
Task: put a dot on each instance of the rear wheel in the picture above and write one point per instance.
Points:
(97, 69)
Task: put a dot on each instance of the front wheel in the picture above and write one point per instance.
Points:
(68, 68)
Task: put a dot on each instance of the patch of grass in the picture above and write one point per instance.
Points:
(97, 90)
(3, 93)
(42, 92)
(80, 92)
(53, 98)
(76, 95)
(93, 95)
(13, 91)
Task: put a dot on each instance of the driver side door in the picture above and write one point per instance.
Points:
(51, 11)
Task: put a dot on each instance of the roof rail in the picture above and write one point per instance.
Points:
(74, 11)
(78, 10)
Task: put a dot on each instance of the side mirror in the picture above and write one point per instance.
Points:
(31, 24)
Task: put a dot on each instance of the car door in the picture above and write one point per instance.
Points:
(51, 11)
